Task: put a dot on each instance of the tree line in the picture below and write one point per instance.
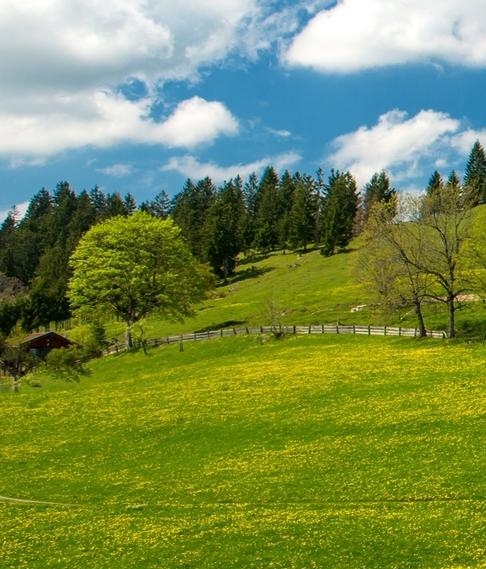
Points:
(261, 214)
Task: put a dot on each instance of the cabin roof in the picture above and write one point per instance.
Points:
(47, 337)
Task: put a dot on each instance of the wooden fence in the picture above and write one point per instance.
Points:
(280, 330)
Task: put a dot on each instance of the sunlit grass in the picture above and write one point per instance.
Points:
(325, 451)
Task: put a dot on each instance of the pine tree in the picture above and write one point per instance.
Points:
(378, 189)
(267, 211)
(475, 175)
(250, 191)
(341, 204)
(225, 228)
(303, 212)
(129, 203)
(285, 195)
(189, 210)
(159, 206)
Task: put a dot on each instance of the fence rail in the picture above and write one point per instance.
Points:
(280, 330)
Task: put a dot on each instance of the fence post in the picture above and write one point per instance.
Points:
(384, 331)
(399, 330)
(354, 330)
(369, 329)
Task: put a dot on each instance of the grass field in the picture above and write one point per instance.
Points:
(324, 451)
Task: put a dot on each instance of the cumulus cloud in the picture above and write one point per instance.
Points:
(60, 84)
(396, 143)
(361, 34)
(195, 121)
(192, 168)
(104, 119)
(80, 43)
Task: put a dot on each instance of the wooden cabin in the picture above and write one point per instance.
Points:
(41, 343)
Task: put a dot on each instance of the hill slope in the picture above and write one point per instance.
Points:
(327, 451)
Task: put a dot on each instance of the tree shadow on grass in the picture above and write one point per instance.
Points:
(221, 325)
(251, 272)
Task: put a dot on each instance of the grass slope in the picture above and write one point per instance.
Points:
(329, 451)
(300, 289)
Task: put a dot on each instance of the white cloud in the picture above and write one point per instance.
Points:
(196, 121)
(20, 210)
(104, 119)
(280, 133)
(192, 168)
(63, 63)
(397, 143)
(85, 42)
(117, 170)
(361, 34)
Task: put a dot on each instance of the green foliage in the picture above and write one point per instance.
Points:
(134, 266)
(377, 190)
(340, 209)
(65, 364)
(475, 175)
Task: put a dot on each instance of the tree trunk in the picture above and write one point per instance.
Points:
(128, 337)
(451, 311)
(420, 318)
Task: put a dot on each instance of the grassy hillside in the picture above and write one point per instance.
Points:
(302, 289)
(328, 451)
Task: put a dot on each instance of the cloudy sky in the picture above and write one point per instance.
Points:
(138, 95)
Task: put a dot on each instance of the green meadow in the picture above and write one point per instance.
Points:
(290, 289)
(317, 451)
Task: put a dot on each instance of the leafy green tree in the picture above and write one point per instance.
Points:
(134, 266)
(475, 175)
(430, 245)
(389, 262)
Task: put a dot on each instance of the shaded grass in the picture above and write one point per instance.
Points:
(308, 452)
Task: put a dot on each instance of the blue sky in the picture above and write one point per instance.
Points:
(138, 95)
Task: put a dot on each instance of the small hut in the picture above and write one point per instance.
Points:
(40, 344)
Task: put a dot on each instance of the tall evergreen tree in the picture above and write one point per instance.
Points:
(267, 211)
(225, 228)
(114, 206)
(159, 206)
(475, 175)
(250, 193)
(7, 243)
(189, 210)
(129, 203)
(341, 204)
(286, 189)
(303, 212)
(378, 189)
(98, 201)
